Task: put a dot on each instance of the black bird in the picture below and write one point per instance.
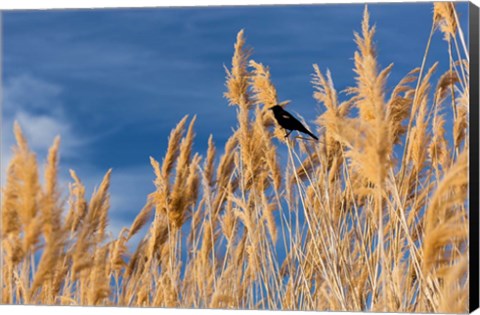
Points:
(288, 122)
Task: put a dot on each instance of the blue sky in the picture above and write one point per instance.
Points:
(113, 83)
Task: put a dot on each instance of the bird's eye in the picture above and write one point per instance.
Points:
(285, 116)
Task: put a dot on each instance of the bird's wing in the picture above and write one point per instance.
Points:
(294, 121)
(287, 115)
(296, 124)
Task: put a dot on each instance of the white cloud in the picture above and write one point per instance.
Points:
(37, 106)
(40, 130)
(27, 92)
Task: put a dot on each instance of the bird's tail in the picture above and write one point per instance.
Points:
(311, 134)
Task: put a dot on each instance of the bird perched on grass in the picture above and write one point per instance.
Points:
(288, 122)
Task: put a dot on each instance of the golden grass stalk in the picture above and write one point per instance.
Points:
(237, 78)
(444, 18)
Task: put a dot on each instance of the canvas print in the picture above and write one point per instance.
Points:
(298, 157)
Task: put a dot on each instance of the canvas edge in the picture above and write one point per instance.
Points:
(474, 158)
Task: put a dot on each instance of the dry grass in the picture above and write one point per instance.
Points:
(362, 228)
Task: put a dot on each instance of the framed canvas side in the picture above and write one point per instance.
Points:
(474, 157)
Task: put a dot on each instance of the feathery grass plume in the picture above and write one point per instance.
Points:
(325, 93)
(172, 152)
(198, 213)
(263, 90)
(237, 78)
(179, 202)
(225, 173)
(227, 222)
(444, 18)
(11, 252)
(324, 90)
(370, 83)
(438, 147)
(117, 251)
(52, 169)
(10, 195)
(273, 166)
(158, 232)
(226, 164)
(46, 265)
(157, 236)
(262, 156)
(60, 281)
(97, 214)
(418, 140)
(99, 288)
(141, 219)
(50, 264)
(135, 263)
(400, 105)
(209, 161)
(447, 84)
(207, 242)
(26, 172)
(167, 294)
(160, 195)
(78, 204)
(369, 137)
(268, 216)
(50, 207)
(22, 145)
(460, 126)
(454, 293)
(238, 94)
(446, 225)
(253, 268)
(192, 182)
(171, 203)
(92, 230)
(444, 86)
(242, 212)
